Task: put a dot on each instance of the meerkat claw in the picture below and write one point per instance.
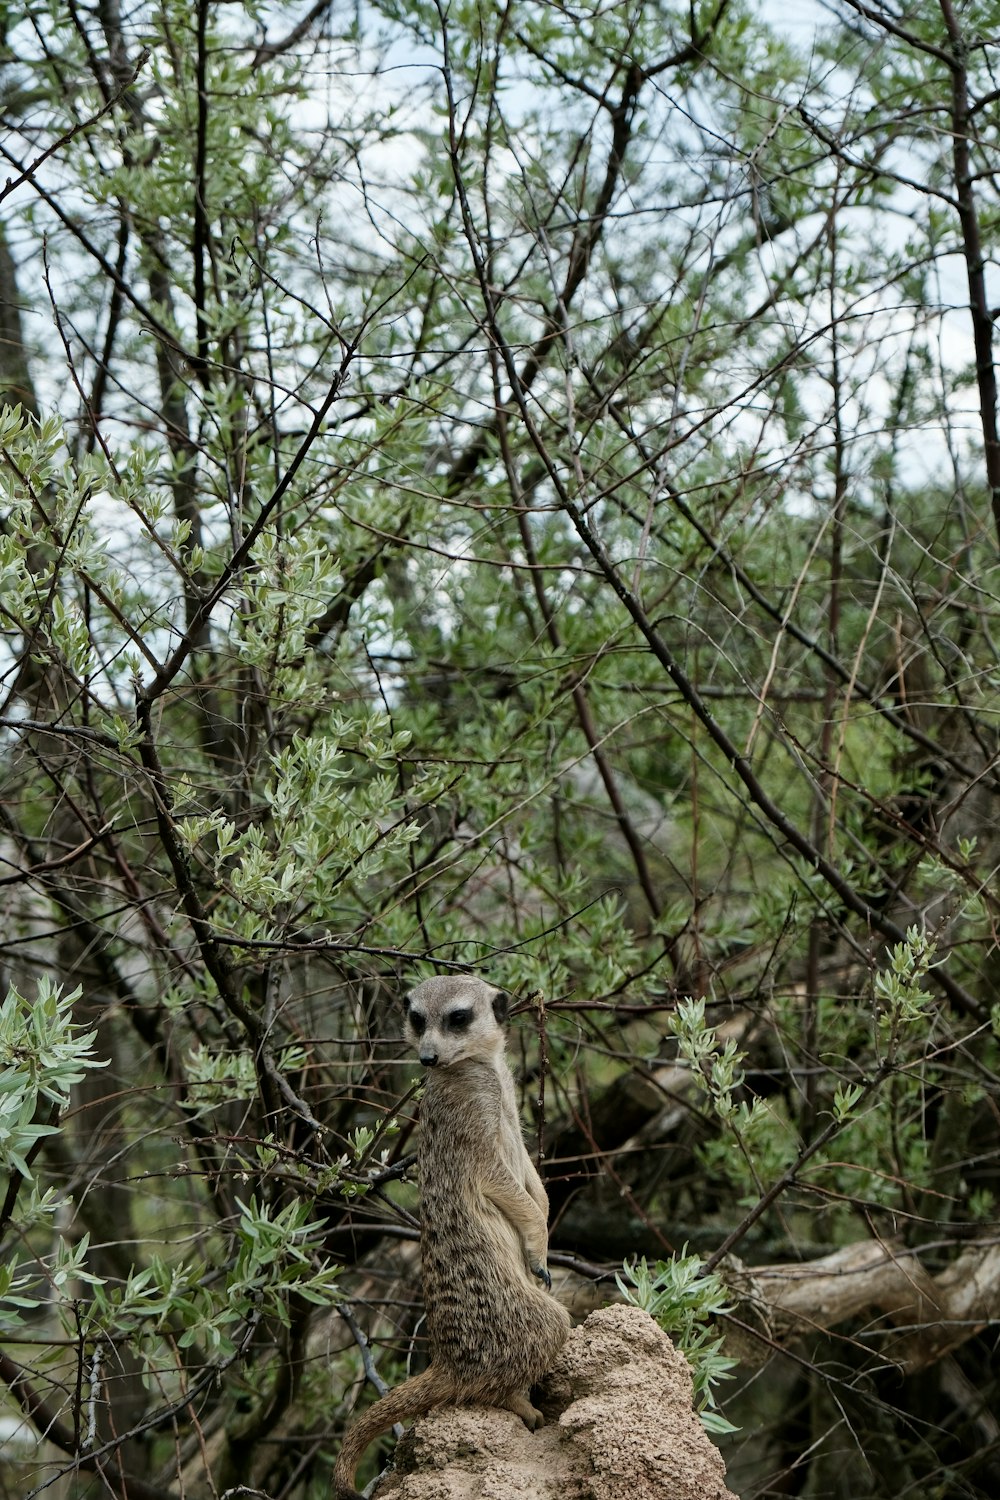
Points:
(542, 1272)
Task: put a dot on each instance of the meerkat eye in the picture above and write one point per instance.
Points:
(459, 1020)
(417, 1023)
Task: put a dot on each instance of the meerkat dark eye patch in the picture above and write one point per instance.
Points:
(416, 1021)
(459, 1020)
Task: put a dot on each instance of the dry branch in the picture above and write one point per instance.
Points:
(912, 1318)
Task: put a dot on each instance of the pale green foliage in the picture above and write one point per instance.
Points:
(845, 1098)
(218, 1077)
(215, 1311)
(717, 1072)
(716, 1068)
(288, 583)
(756, 1140)
(43, 1053)
(276, 1256)
(685, 1302)
(15, 1294)
(901, 998)
(763, 1134)
(982, 1205)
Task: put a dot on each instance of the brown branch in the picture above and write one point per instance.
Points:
(241, 556)
(26, 174)
(111, 272)
(975, 257)
(267, 51)
(876, 700)
(47, 866)
(740, 763)
(16, 385)
(200, 246)
(47, 1424)
(273, 1085)
(215, 962)
(692, 49)
(781, 1184)
(880, 18)
(901, 722)
(581, 253)
(581, 702)
(761, 798)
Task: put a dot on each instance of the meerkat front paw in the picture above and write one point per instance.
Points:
(542, 1272)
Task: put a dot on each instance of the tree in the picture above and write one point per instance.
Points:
(517, 490)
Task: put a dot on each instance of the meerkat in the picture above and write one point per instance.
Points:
(493, 1330)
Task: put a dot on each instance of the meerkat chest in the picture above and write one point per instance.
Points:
(510, 1137)
(469, 1121)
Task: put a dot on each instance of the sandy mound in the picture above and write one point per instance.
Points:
(619, 1427)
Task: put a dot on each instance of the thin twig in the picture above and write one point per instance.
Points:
(372, 1374)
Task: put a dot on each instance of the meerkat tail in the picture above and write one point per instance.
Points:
(414, 1398)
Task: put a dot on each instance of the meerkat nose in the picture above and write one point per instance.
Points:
(429, 1059)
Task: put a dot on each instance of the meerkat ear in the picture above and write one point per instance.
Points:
(501, 1005)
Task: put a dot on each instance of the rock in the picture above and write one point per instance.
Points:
(619, 1426)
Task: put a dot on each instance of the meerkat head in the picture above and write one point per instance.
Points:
(451, 1020)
